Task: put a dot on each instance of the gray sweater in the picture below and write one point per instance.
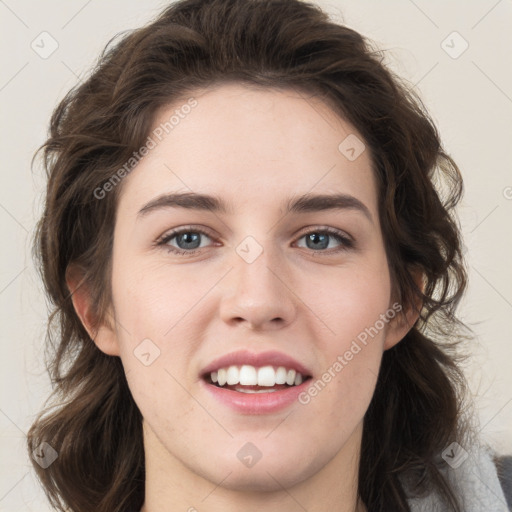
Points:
(477, 483)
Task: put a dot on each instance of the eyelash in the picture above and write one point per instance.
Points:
(346, 243)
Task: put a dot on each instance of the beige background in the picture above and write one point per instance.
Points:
(470, 98)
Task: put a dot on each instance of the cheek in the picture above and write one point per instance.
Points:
(154, 300)
(156, 343)
(352, 303)
(151, 308)
(353, 309)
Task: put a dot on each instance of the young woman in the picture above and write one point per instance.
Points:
(254, 278)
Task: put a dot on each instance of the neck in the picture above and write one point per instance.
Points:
(171, 485)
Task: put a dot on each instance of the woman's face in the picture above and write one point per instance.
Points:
(253, 283)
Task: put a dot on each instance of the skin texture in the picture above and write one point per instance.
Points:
(256, 149)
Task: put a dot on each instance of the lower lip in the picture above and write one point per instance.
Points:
(256, 403)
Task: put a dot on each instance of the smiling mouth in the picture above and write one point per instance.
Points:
(251, 379)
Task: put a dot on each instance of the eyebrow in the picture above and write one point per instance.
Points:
(301, 204)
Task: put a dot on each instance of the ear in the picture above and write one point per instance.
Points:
(103, 335)
(402, 323)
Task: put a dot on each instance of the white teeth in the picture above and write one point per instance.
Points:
(221, 375)
(247, 375)
(281, 375)
(266, 376)
(233, 375)
(290, 378)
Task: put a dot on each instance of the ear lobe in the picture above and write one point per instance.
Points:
(402, 323)
(399, 326)
(103, 335)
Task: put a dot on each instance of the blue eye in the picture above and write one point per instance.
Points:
(188, 241)
(318, 240)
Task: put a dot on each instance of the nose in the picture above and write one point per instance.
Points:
(258, 293)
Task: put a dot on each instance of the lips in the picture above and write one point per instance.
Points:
(252, 383)
(257, 360)
(255, 383)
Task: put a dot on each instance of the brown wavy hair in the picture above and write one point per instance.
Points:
(418, 405)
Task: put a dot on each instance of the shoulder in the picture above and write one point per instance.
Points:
(474, 477)
(504, 467)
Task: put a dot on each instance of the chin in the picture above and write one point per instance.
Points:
(269, 474)
(258, 481)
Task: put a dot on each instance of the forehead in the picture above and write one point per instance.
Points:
(252, 146)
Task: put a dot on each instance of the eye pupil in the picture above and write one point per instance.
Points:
(188, 238)
(315, 238)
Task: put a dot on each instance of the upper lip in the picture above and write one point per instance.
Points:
(257, 359)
